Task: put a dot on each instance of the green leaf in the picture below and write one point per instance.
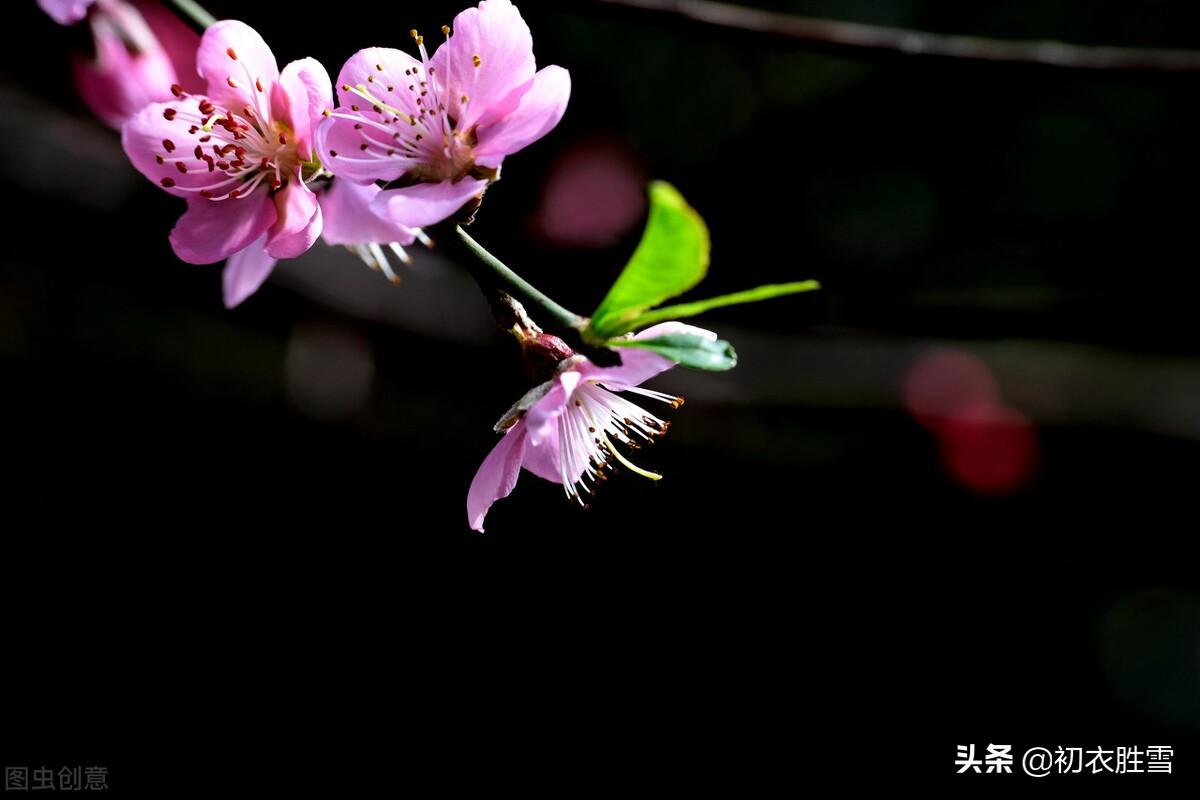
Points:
(683, 310)
(687, 349)
(671, 258)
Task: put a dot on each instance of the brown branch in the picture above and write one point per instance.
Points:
(858, 36)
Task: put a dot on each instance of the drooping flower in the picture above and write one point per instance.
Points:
(241, 155)
(569, 429)
(141, 51)
(66, 12)
(444, 123)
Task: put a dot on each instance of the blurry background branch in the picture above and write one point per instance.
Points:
(859, 36)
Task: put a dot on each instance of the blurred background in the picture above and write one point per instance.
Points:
(949, 499)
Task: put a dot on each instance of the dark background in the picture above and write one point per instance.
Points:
(224, 526)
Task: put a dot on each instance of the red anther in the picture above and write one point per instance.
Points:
(177, 90)
(179, 166)
(169, 114)
(229, 52)
(168, 145)
(167, 182)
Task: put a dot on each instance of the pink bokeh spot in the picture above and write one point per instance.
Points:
(944, 381)
(594, 193)
(985, 445)
(989, 448)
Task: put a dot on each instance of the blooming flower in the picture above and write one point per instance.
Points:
(241, 155)
(141, 51)
(444, 123)
(66, 12)
(567, 430)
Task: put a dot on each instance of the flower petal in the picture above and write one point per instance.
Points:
(539, 110)
(246, 271)
(543, 459)
(637, 365)
(116, 84)
(350, 220)
(389, 84)
(497, 475)
(211, 230)
(66, 12)
(156, 140)
(298, 223)
(541, 418)
(497, 34)
(299, 99)
(427, 203)
(179, 42)
(234, 59)
(339, 146)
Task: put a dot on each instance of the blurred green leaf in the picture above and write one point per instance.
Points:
(683, 310)
(688, 350)
(671, 258)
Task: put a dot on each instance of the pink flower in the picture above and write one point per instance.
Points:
(66, 12)
(567, 430)
(241, 155)
(444, 123)
(141, 51)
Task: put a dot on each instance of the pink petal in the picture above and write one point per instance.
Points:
(116, 84)
(65, 12)
(339, 134)
(363, 68)
(177, 40)
(245, 272)
(426, 203)
(349, 218)
(232, 79)
(496, 33)
(542, 417)
(298, 223)
(304, 92)
(542, 459)
(539, 110)
(339, 146)
(157, 137)
(638, 366)
(211, 230)
(497, 475)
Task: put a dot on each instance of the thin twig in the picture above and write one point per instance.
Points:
(193, 13)
(518, 286)
(859, 36)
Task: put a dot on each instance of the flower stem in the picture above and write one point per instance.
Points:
(193, 13)
(518, 286)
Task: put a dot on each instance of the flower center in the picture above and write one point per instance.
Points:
(224, 153)
(428, 143)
